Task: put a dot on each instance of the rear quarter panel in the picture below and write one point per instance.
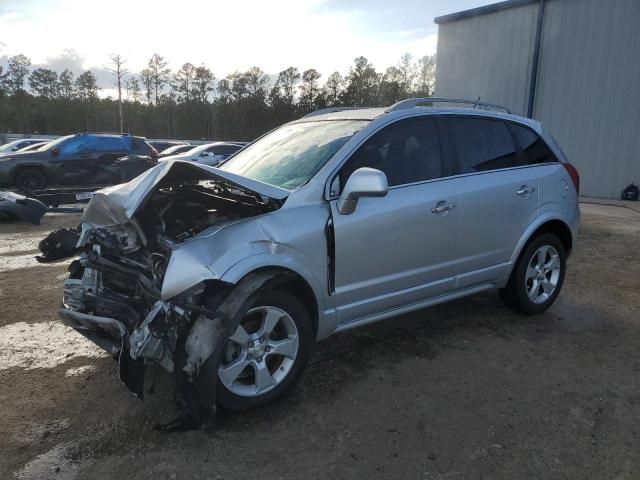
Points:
(558, 197)
(558, 200)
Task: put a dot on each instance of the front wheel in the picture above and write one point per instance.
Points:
(266, 354)
(537, 277)
(31, 179)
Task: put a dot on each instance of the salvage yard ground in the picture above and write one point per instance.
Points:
(463, 391)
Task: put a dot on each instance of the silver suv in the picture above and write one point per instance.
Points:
(226, 276)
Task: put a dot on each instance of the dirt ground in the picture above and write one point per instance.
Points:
(466, 390)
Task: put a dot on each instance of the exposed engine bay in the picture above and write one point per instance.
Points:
(113, 293)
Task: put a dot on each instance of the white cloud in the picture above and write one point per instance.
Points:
(224, 35)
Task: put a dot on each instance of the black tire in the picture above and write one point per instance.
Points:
(514, 295)
(30, 179)
(283, 300)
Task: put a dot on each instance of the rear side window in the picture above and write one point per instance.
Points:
(407, 151)
(110, 144)
(481, 145)
(76, 145)
(533, 147)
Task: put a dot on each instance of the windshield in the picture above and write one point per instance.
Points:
(291, 155)
(7, 146)
(198, 149)
(176, 149)
(55, 143)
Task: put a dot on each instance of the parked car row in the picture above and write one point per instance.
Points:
(92, 158)
(207, 154)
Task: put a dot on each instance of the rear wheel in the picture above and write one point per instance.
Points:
(30, 179)
(266, 354)
(537, 277)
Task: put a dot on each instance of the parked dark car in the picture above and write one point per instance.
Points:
(72, 160)
(161, 145)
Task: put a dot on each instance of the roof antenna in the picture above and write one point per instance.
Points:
(476, 104)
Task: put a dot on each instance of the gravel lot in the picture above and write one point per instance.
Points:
(463, 391)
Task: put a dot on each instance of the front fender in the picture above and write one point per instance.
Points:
(199, 261)
(286, 260)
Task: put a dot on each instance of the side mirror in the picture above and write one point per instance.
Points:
(364, 182)
(55, 151)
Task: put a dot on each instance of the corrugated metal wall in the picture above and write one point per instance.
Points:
(588, 93)
(488, 56)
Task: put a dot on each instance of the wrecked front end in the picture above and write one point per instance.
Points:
(114, 292)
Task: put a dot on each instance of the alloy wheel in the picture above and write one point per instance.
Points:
(543, 274)
(261, 352)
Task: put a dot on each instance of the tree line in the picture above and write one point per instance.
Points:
(191, 102)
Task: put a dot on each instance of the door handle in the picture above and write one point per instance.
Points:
(443, 207)
(525, 191)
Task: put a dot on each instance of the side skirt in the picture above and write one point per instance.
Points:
(414, 306)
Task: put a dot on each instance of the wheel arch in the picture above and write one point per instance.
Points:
(548, 224)
(28, 166)
(289, 279)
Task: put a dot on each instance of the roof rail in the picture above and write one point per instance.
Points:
(322, 111)
(429, 101)
(125, 134)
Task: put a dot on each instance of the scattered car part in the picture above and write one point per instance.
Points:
(58, 245)
(14, 206)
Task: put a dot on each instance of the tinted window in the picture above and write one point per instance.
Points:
(407, 152)
(224, 149)
(26, 143)
(481, 145)
(160, 146)
(534, 148)
(140, 146)
(228, 149)
(110, 144)
(76, 145)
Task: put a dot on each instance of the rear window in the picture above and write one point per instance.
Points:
(140, 146)
(534, 148)
(227, 149)
(481, 144)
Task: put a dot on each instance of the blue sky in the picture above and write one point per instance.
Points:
(225, 36)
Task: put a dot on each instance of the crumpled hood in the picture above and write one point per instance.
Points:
(118, 204)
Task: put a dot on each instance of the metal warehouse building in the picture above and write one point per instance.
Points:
(572, 64)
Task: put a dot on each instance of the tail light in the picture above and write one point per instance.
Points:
(573, 173)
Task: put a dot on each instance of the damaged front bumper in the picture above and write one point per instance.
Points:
(117, 294)
(114, 301)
